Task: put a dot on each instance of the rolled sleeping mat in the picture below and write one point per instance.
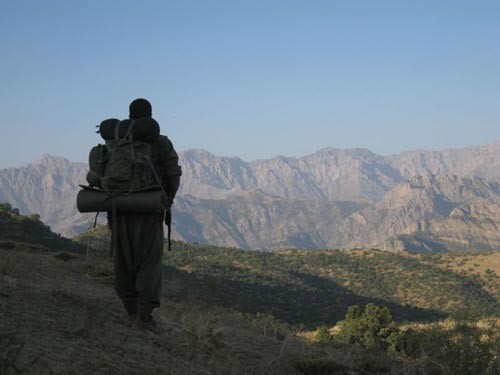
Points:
(94, 179)
(147, 201)
(145, 129)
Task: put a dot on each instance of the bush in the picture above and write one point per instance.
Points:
(373, 326)
(323, 335)
(35, 217)
(462, 349)
(5, 207)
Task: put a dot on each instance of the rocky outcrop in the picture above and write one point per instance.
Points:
(433, 213)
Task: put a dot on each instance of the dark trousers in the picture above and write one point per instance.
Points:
(138, 262)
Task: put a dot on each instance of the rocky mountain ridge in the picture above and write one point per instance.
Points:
(331, 174)
(424, 200)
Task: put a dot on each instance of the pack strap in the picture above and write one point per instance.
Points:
(114, 226)
(128, 134)
(168, 201)
(95, 219)
(117, 130)
(164, 193)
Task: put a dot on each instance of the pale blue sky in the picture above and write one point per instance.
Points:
(251, 78)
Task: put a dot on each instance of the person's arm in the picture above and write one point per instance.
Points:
(172, 185)
(171, 170)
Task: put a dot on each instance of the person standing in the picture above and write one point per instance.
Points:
(140, 238)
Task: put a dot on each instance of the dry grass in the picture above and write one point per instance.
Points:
(478, 263)
(484, 265)
(64, 309)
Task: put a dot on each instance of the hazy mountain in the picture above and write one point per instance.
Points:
(328, 174)
(482, 161)
(48, 187)
(260, 221)
(332, 198)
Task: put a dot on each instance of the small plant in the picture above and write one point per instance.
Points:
(35, 217)
(323, 335)
(5, 207)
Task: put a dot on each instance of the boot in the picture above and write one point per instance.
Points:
(150, 325)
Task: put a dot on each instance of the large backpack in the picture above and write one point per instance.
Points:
(123, 163)
(129, 165)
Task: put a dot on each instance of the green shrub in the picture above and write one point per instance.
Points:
(35, 217)
(5, 207)
(463, 349)
(371, 326)
(323, 335)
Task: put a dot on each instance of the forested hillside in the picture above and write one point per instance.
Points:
(317, 287)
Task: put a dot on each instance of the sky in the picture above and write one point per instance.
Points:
(253, 79)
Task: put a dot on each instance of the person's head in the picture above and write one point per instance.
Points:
(140, 108)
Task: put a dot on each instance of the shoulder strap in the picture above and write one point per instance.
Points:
(164, 193)
(128, 134)
(117, 130)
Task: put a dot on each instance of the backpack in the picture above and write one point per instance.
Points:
(123, 163)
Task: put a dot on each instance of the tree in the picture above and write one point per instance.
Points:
(373, 326)
(5, 207)
(35, 217)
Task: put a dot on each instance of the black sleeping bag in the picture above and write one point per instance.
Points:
(145, 129)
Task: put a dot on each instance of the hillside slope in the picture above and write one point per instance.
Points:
(316, 287)
(61, 312)
(17, 227)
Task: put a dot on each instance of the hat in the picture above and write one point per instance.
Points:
(140, 108)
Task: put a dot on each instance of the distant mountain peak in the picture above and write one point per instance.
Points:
(49, 158)
(202, 154)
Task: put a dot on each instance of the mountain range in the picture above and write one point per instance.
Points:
(418, 200)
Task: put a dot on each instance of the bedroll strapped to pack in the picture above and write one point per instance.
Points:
(145, 129)
(91, 199)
